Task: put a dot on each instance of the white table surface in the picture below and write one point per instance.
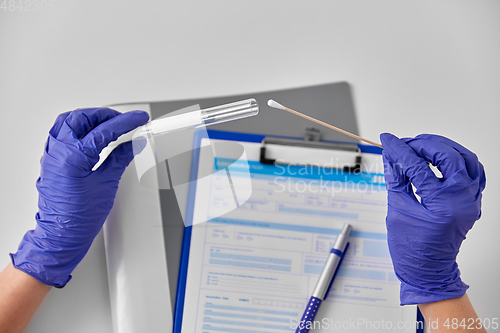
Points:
(415, 67)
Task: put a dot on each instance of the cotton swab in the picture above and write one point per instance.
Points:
(277, 105)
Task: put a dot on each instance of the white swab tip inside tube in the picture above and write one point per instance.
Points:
(274, 104)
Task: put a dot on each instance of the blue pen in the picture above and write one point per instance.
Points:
(325, 280)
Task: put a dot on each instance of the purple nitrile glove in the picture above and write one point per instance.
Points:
(74, 201)
(424, 238)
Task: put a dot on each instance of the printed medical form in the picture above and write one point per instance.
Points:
(254, 268)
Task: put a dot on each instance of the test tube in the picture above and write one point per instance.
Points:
(229, 112)
(200, 118)
(194, 119)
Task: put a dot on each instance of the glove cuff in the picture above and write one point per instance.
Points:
(414, 295)
(35, 272)
(45, 261)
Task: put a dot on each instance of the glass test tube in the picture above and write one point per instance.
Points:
(200, 118)
(194, 119)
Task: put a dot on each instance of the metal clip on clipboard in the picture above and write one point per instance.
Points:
(311, 151)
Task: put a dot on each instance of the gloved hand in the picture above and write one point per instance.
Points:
(424, 238)
(74, 201)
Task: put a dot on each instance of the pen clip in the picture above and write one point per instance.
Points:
(338, 267)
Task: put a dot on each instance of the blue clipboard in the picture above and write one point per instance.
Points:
(186, 241)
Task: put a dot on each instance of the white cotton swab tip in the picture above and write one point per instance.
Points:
(274, 104)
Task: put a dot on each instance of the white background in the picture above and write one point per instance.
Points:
(415, 67)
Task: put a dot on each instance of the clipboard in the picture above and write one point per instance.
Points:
(157, 249)
(265, 142)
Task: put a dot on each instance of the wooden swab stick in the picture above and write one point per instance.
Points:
(277, 105)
